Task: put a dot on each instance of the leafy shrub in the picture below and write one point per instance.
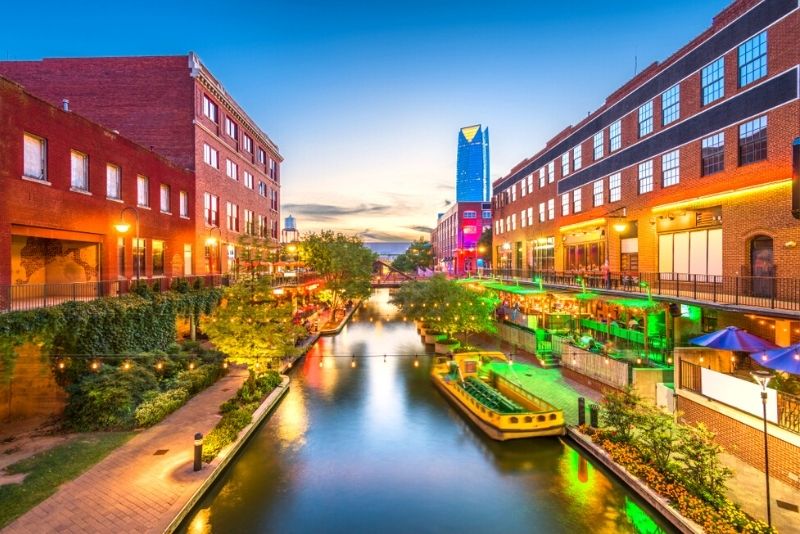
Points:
(621, 413)
(227, 430)
(154, 410)
(106, 400)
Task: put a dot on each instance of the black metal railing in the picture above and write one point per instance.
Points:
(789, 412)
(690, 377)
(752, 291)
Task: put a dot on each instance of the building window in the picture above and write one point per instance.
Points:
(542, 178)
(530, 183)
(262, 189)
(273, 200)
(35, 165)
(233, 217)
(184, 203)
(713, 79)
(541, 212)
(753, 59)
(551, 209)
(671, 105)
(598, 145)
(120, 257)
(210, 109)
(231, 128)
(79, 164)
(646, 177)
(551, 172)
(158, 257)
(249, 223)
(165, 207)
(544, 258)
(273, 170)
(262, 156)
(211, 209)
(513, 221)
(646, 119)
(231, 169)
(577, 158)
(248, 180)
(597, 193)
(247, 143)
(523, 187)
(629, 254)
(670, 168)
(615, 136)
(210, 156)
(274, 232)
(513, 190)
(565, 204)
(113, 189)
(487, 214)
(470, 214)
(500, 226)
(262, 226)
(564, 164)
(576, 201)
(138, 256)
(615, 187)
(530, 216)
(712, 154)
(695, 252)
(523, 221)
(753, 141)
(143, 191)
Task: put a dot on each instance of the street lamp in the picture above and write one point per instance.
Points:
(762, 378)
(211, 241)
(122, 227)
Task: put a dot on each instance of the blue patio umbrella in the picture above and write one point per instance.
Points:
(733, 338)
(780, 359)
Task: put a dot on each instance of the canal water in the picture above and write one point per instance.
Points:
(376, 448)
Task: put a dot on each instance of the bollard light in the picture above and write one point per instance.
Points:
(198, 451)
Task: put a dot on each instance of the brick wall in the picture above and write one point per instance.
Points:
(746, 442)
(31, 390)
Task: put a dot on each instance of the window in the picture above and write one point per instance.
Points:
(35, 157)
(530, 183)
(577, 158)
(233, 217)
(165, 207)
(247, 143)
(158, 257)
(487, 214)
(211, 209)
(530, 216)
(513, 190)
(248, 180)
(262, 156)
(629, 254)
(753, 141)
(232, 169)
(753, 59)
(138, 256)
(544, 254)
(671, 105)
(598, 145)
(646, 177)
(597, 193)
(615, 187)
(513, 221)
(671, 168)
(143, 191)
(542, 177)
(262, 226)
(551, 172)
(274, 230)
(695, 252)
(576, 201)
(273, 200)
(262, 189)
(79, 164)
(184, 204)
(712, 78)
(646, 119)
(113, 189)
(470, 214)
(210, 156)
(615, 136)
(523, 221)
(498, 227)
(564, 164)
(249, 223)
(508, 223)
(565, 204)
(712, 154)
(551, 209)
(523, 187)
(273, 170)
(120, 257)
(231, 128)
(541, 212)
(210, 109)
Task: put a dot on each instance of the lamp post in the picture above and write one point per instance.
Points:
(123, 227)
(218, 242)
(763, 378)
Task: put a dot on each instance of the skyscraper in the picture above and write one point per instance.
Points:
(472, 166)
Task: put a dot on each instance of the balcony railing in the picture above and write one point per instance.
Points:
(752, 291)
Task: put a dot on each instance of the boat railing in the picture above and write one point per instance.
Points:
(527, 395)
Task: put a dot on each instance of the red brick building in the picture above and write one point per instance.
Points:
(176, 107)
(455, 238)
(66, 181)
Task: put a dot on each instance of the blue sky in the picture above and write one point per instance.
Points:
(365, 99)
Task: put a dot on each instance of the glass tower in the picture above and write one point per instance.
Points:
(472, 166)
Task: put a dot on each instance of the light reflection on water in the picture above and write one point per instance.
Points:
(376, 447)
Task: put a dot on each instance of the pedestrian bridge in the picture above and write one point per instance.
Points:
(385, 275)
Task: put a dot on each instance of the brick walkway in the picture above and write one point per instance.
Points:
(134, 489)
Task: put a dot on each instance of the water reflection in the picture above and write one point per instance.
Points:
(376, 447)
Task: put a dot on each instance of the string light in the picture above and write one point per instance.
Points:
(159, 366)
(126, 366)
(95, 366)
(353, 362)
(225, 364)
(416, 361)
(61, 366)
(320, 363)
(191, 366)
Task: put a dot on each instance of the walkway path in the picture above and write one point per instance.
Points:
(141, 486)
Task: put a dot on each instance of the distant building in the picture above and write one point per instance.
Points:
(455, 238)
(290, 234)
(472, 165)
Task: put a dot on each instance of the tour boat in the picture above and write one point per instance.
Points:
(499, 407)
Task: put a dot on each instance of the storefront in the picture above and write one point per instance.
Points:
(690, 243)
(584, 251)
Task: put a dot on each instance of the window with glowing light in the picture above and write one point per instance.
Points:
(164, 198)
(143, 191)
(113, 184)
(158, 257)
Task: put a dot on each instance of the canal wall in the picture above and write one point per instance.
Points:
(345, 320)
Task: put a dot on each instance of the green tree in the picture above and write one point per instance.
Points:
(343, 261)
(702, 471)
(418, 255)
(621, 413)
(251, 327)
(657, 436)
(255, 253)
